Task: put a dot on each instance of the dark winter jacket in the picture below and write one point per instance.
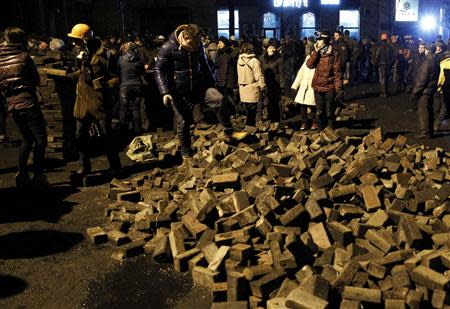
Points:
(426, 81)
(131, 69)
(273, 68)
(384, 55)
(416, 62)
(181, 72)
(343, 50)
(327, 76)
(226, 68)
(19, 77)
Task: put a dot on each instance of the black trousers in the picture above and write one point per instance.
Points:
(31, 125)
(326, 106)
(425, 115)
(183, 107)
(131, 97)
(82, 139)
(253, 112)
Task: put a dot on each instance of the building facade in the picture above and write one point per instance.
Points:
(271, 18)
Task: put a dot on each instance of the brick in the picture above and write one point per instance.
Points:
(181, 260)
(240, 200)
(400, 276)
(96, 235)
(438, 298)
(193, 225)
(218, 259)
(316, 285)
(314, 210)
(246, 216)
(299, 298)
(340, 233)
(130, 250)
(371, 200)
(362, 294)
(292, 214)
(263, 286)
(117, 238)
(394, 304)
(350, 304)
(411, 230)
(241, 252)
(204, 277)
(237, 286)
(429, 278)
(276, 303)
(377, 239)
(342, 191)
(226, 180)
(231, 305)
(319, 235)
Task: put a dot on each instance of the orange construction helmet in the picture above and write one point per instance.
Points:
(80, 31)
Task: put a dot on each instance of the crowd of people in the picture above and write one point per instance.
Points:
(227, 75)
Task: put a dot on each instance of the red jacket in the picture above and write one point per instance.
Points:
(328, 70)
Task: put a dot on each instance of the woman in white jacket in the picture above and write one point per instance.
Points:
(305, 95)
(251, 83)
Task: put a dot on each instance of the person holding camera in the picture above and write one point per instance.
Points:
(93, 97)
(327, 80)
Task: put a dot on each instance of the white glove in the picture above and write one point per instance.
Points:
(167, 100)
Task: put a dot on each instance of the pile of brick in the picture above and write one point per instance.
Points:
(289, 220)
(57, 97)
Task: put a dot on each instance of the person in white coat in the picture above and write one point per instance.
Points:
(305, 95)
(251, 83)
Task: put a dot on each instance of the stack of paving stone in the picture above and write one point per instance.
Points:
(57, 96)
(290, 220)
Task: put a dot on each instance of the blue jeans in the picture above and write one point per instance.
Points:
(31, 125)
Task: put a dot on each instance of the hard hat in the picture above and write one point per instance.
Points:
(80, 31)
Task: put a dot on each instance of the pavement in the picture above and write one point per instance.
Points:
(46, 262)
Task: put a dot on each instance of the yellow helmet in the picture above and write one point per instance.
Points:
(80, 31)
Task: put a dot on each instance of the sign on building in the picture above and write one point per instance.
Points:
(290, 3)
(406, 10)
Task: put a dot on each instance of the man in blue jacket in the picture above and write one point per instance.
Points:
(184, 79)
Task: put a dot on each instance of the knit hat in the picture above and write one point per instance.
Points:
(225, 41)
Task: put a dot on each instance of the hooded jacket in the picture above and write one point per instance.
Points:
(131, 69)
(384, 55)
(327, 76)
(226, 68)
(19, 77)
(303, 85)
(250, 78)
(182, 72)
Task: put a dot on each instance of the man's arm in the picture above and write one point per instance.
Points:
(161, 70)
(313, 60)
(337, 73)
(206, 69)
(422, 77)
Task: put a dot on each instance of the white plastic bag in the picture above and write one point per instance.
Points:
(141, 149)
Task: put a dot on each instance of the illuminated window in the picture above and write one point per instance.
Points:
(330, 2)
(308, 24)
(271, 25)
(350, 21)
(223, 23)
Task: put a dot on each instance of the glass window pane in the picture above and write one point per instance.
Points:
(308, 32)
(236, 34)
(223, 19)
(349, 19)
(269, 34)
(270, 20)
(224, 32)
(354, 33)
(236, 19)
(308, 20)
